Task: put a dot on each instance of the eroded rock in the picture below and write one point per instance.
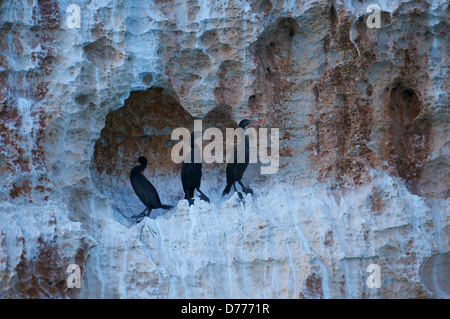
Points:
(364, 160)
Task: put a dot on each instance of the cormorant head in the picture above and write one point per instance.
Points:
(243, 124)
(142, 160)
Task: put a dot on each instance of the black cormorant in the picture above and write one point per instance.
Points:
(236, 170)
(145, 190)
(191, 174)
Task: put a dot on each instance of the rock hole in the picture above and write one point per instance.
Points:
(141, 127)
(333, 17)
(409, 133)
(435, 272)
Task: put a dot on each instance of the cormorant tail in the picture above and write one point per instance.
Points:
(227, 189)
(166, 206)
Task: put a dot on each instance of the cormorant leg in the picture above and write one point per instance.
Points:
(203, 196)
(239, 193)
(189, 198)
(141, 216)
(246, 190)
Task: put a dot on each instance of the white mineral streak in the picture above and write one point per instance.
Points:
(266, 249)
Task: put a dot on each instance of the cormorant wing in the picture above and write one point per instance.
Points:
(191, 175)
(236, 170)
(146, 192)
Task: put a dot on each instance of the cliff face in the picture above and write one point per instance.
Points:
(364, 148)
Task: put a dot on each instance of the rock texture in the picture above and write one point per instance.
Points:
(364, 148)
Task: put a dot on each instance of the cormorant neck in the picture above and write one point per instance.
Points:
(195, 149)
(138, 169)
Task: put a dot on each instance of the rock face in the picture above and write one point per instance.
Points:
(364, 148)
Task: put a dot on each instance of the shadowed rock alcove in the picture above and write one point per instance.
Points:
(410, 134)
(277, 54)
(434, 273)
(142, 127)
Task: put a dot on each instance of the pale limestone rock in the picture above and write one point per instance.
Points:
(363, 117)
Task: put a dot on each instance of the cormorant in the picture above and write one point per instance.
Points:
(145, 190)
(236, 170)
(191, 174)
